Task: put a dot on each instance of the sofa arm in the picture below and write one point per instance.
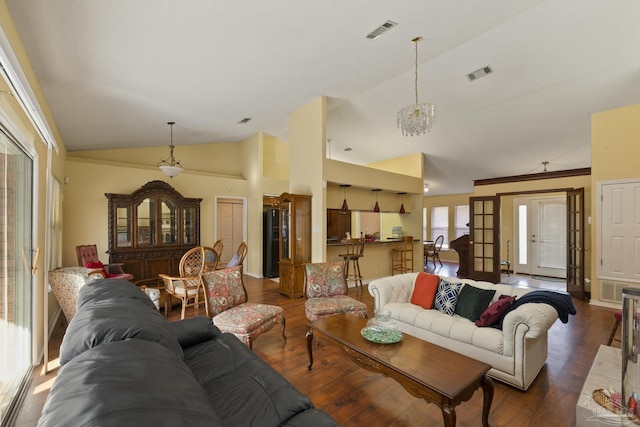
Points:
(392, 289)
(529, 320)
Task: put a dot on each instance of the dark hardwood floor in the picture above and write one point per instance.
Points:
(357, 397)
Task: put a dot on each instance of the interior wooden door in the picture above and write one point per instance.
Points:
(230, 226)
(484, 243)
(237, 234)
(224, 229)
(575, 243)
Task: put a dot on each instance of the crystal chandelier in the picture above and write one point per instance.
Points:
(418, 118)
(170, 166)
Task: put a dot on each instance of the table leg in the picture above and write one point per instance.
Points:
(487, 389)
(449, 415)
(309, 337)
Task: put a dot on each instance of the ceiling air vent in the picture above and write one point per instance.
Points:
(245, 120)
(381, 30)
(481, 72)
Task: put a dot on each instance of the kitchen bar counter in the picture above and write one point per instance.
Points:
(376, 261)
(373, 242)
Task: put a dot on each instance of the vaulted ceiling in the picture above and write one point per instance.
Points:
(114, 72)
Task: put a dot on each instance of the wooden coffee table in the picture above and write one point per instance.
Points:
(425, 370)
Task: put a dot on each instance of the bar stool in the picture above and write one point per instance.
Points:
(402, 258)
(617, 315)
(355, 251)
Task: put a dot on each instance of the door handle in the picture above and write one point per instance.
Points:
(34, 267)
(35, 262)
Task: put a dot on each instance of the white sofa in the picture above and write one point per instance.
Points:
(516, 353)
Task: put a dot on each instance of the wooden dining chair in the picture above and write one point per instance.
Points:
(433, 251)
(189, 285)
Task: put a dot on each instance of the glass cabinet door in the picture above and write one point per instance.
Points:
(303, 230)
(169, 224)
(146, 222)
(123, 226)
(285, 215)
(189, 226)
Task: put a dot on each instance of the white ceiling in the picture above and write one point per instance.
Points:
(114, 72)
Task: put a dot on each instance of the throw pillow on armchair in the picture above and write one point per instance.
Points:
(98, 266)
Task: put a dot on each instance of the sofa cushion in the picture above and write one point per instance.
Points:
(242, 388)
(129, 383)
(447, 297)
(194, 330)
(494, 312)
(109, 318)
(472, 301)
(424, 290)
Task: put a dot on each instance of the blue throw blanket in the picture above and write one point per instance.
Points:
(561, 302)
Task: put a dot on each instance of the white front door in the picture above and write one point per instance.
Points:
(541, 234)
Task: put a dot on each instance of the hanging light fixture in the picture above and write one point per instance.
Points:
(418, 118)
(376, 208)
(345, 207)
(170, 166)
(402, 205)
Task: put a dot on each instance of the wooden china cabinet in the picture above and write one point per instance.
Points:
(294, 242)
(150, 229)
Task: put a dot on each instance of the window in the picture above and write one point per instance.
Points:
(461, 221)
(440, 224)
(424, 224)
(16, 168)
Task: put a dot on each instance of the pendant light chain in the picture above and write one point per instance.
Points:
(416, 40)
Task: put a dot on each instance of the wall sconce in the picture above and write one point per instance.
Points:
(345, 207)
(402, 205)
(426, 188)
(376, 208)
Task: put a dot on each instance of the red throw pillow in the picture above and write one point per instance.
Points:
(424, 290)
(97, 264)
(494, 312)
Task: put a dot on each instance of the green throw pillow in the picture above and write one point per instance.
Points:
(472, 301)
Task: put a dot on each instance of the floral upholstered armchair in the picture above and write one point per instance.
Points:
(65, 284)
(226, 298)
(326, 291)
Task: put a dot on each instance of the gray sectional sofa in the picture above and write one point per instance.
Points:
(124, 364)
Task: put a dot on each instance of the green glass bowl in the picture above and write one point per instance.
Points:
(381, 335)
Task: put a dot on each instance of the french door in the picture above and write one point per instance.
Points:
(576, 245)
(16, 238)
(484, 242)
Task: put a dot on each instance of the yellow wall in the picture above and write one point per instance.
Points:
(411, 165)
(615, 150)
(224, 159)
(85, 205)
(275, 159)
